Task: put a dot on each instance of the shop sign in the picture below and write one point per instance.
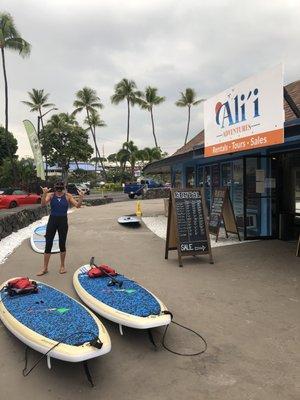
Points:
(246, 116)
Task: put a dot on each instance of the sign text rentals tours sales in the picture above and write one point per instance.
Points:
(246, 116)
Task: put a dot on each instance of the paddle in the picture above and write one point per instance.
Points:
(113, 280)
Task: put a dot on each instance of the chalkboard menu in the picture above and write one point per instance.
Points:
(216, 210)
(187, 224)
(221, 209)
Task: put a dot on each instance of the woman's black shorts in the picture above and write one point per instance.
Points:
(55, 224)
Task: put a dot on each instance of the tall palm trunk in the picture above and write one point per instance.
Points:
(95, 143)
(153, 131)
(128, 119)
(96, 160)
(6, 114)
(188, 124)
(46, 158)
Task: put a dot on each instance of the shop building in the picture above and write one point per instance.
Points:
(264, 183)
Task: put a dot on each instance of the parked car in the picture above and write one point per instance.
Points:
(74, 187)
(137, 188)
(84, 187)
(10, 198)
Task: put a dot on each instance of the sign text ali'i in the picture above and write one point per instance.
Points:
(235, 109)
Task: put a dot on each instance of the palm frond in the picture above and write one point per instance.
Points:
(18, 44)
(47, 105)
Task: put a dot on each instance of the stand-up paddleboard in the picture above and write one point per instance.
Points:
(126, 303)
(42, 320)
(38, 240)
(129, 220)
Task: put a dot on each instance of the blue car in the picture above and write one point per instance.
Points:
(137, 188)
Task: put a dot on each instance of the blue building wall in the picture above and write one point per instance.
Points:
(252, 180)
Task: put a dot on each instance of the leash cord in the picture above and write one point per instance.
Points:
(163, 342)
(26, 373)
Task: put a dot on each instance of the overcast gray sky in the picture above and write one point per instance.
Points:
(169, 44)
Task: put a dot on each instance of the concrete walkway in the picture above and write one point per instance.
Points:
(246, 305)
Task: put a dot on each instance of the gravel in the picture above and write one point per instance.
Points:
(158, 225)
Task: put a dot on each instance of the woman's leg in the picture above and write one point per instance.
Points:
(50, 233)
(62, 232)
(62, 269)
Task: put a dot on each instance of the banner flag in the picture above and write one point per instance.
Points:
(36, 148)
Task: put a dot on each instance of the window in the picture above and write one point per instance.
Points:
(190, 177)
(177, 181)
(199, 176)
(227, 174)
(238, 192)
(18, 192)
(215, 176)
(207, 185)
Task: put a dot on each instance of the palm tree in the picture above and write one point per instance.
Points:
(87, 99)
(147, 101)
(152, 154)
(94, 121)
(122, 157)
(126, 90)
(112, 158)
(188, 99)
(133, 154)
(11, 39)
(39, 101)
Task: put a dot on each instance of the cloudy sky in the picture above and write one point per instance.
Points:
(169, 44)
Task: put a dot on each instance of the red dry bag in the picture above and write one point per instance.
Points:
(21, 286)
(102, 270)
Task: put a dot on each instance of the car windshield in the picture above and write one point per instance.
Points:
(6, 191)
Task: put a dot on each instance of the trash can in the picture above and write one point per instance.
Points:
(286, 226)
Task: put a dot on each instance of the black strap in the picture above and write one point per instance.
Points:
(94, 342)
(167, 312)
(163, 342)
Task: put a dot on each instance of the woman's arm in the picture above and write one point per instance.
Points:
(46, 196)
(76, 203)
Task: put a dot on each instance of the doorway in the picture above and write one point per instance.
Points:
(289, 195)
(260, 197)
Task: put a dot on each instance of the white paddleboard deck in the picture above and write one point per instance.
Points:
(129, 220)
(38, 240)
(56, 311)
(114, 313)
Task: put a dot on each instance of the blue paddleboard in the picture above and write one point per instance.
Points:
(129, 304)
(50, 316)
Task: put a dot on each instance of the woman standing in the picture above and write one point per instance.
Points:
(58, 221)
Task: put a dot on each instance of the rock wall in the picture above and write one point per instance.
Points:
(20, 219)
(156, 193)
(96, 202)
